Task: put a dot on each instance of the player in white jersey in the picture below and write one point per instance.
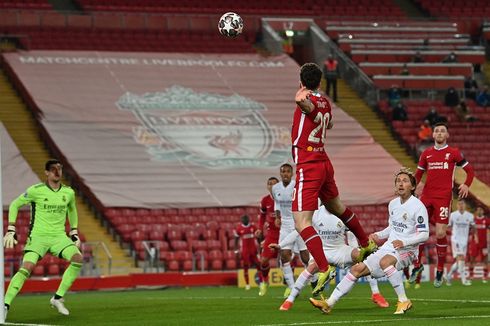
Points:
(282, 193)
(333, 234)
(408, 227)
(460, 221)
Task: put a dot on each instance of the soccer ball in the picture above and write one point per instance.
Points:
(230, 24)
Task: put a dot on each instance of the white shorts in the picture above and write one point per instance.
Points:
(459, 248)
(403, 259)
(339, 256)
(297, 246)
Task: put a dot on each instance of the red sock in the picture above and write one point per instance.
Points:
(265, 268)
(419, 278)
(417, 263)
(315, 247)
(351, 220)
(406, 273)
(257, 266)
(441, 248)
(245, 274)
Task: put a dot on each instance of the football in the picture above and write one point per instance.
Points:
(230, 24)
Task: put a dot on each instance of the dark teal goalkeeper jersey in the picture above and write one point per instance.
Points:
(49, 209)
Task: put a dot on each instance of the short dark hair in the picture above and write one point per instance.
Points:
(50, 162)
(273, 178)
(310, 75)
(441, 123)
(287, 165)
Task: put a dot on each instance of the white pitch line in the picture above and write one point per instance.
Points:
(377, 320)
(343, 299)
(23, 324)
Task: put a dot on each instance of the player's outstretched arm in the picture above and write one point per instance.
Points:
(303, 101)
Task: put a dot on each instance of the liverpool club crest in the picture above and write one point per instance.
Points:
(206, 129)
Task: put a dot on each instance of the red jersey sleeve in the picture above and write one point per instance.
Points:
(422, 165)
(262, 214)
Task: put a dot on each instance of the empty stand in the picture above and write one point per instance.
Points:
(255, 7)
(187, 246)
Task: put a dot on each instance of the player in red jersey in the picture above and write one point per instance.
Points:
(479, 245)
(439, 162)
(248, 247)
(268, 221)
(315, 174)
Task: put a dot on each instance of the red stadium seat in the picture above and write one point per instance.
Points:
(214, 245)
(210, 234)
(199, 245)
(179, 245)
(191, 235)
(231, 264)
(38, 270)
(53, 269)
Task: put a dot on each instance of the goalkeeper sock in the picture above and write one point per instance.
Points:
(15, 285)
(69, 277)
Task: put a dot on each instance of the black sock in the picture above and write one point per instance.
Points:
(8, 306)
(57, 297)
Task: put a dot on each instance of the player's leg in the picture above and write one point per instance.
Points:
(28, 262)
(287, 270)
(418, 267)
(454, 266)
(70, 253)
(255, 260)
(441, 212)
(36, 247)
(388, 264)
(462, 267)
(485, 264)
(266, 256)
(246, 267)
(376, 296)
(343, 288)
(300, 283)
(305, 201)
(286, 257)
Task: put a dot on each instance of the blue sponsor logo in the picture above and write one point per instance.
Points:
(421, 226)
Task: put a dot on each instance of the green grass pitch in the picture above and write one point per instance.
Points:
(455, 305)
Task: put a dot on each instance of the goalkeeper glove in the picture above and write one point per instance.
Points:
(10, 238)
(75, 238)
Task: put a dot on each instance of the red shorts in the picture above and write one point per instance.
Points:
(267, 252)
(249, 257)
(437, 208)
(313, 180)
(478, 251)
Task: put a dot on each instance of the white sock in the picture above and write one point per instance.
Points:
(288, 274)
(300, 283)
(461, 270)
(373, 283)
(396, 281)
(342, 289)
(453, 269)
(314, 278)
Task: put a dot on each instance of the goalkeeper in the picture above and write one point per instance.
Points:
(50, 203)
